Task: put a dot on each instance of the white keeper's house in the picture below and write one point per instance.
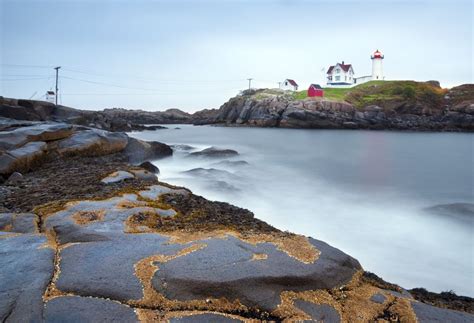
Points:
(289, 84)
(340, 75)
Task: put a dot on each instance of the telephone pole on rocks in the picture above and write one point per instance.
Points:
(250, 82)
(57, 75)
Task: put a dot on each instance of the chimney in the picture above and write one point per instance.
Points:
(342, 62)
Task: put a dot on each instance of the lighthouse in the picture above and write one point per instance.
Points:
(377, 67)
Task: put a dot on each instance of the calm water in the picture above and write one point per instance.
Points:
(361, 191)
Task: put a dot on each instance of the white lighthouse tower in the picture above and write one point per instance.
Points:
(377, 67)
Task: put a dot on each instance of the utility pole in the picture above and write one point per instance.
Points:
(250, 82)
(57, 72)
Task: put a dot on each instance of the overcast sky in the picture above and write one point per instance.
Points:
(196, 54)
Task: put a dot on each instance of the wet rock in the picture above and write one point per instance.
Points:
(255, 283)
(204, 318)
(231, 163)
(447, 300)
(24, 158)
(93, 142)
(18, 222)
(215, 179)
(86, 267)
(7, 164)
(182, 147)
(427, 313)
(138, 151)
(150, 167)
(7, 124)
(143, 174)
(156, 191)
(26, 269)
(460, 211)
(214, 152)
(37, 132)
(75, 309)
(378, 298)
(209, 173)
(5, 221)
(319, 312)
(15, 178)
(222, 186)
(117, 177)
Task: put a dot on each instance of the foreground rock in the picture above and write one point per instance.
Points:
(87, 236)
(25, 146)
(232, 271)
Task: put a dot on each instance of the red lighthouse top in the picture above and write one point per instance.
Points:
(377, 54)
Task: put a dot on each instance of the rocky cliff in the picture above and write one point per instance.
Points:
(391, 105)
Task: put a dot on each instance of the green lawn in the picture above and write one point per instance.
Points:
(370, 91)
(336, 94)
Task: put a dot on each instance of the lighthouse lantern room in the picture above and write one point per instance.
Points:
(377, 67)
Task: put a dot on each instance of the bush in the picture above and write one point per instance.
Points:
(408, 92)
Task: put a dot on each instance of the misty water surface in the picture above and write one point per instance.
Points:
(361, 191)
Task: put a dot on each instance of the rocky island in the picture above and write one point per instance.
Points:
(376, 105)
(89, 233)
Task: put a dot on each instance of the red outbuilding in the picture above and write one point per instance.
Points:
(315, 90)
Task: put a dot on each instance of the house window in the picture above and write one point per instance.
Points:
(345, 78)
(338, 78)
(337, 71)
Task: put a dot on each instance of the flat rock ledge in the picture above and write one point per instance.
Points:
(119, 259)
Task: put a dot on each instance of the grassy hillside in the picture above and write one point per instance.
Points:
(380, 92)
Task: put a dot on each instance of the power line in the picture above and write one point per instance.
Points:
(27, 79)
(107, 84)
(26, 75)
(148, 78)
(26, 66)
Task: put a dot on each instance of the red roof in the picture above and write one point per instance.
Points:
(345, 67)
(316, 86)
(377, 54)
(292, 82)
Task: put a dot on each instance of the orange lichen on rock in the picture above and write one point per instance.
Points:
(7, 228)
(127, 204)
(293, 245)
(352, 302)
(147, 220)
(51, 290)
(86, 217)
(259, 256)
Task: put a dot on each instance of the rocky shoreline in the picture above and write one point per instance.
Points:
(89, 233)
(399, 105)
(454, 111)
